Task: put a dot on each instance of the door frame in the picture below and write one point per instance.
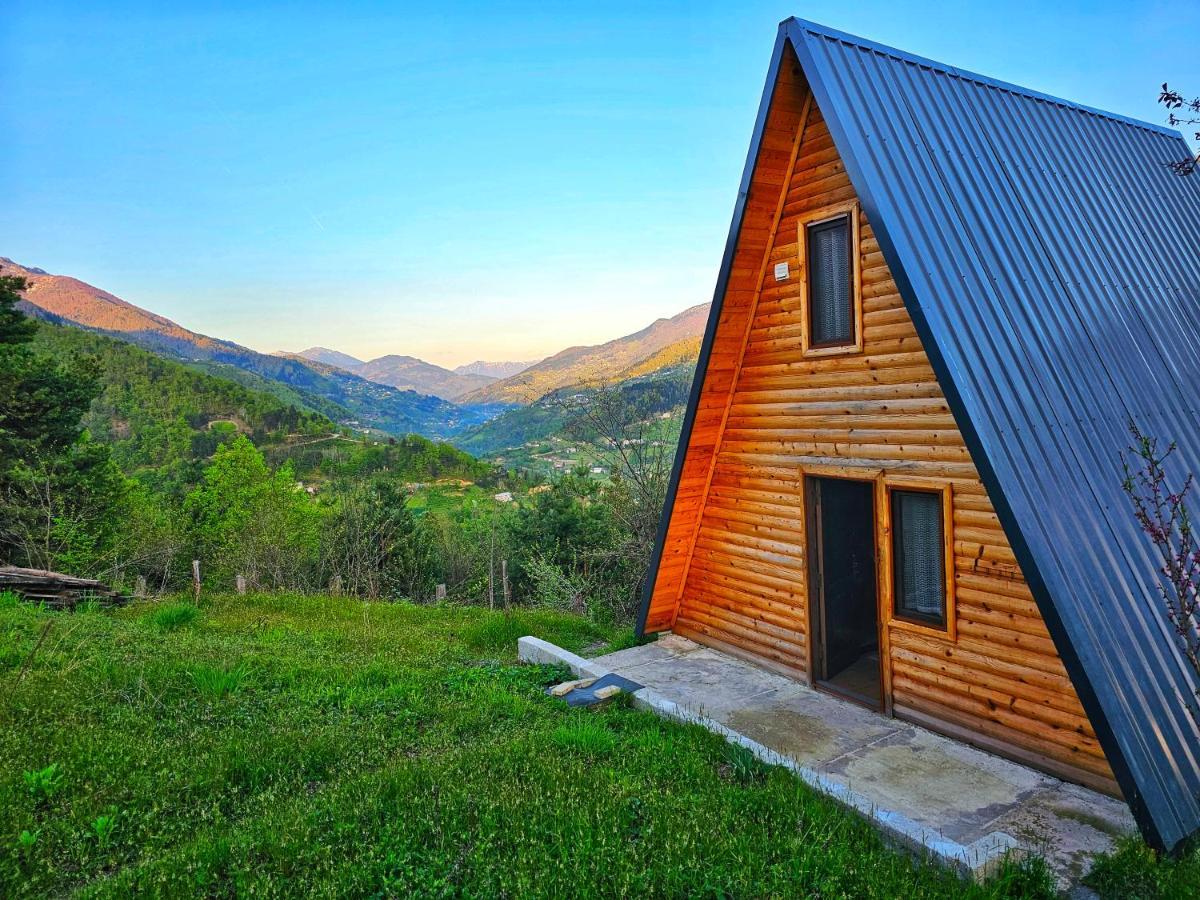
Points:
(875, 477)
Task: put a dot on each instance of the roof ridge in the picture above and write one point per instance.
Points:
(829, 33)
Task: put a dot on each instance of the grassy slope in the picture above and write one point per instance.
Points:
(286, 745)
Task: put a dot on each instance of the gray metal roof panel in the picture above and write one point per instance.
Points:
(1051, 262)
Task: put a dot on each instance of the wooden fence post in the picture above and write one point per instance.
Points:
(504, 580)
(139, 587)
(335, 585)
(241, 584)
(440, 593)
(195, 579)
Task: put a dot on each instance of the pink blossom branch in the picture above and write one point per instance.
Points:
(1162, 513)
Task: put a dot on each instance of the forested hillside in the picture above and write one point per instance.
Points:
(158, 415)
(121, 464)
(561, 411)
(341, 395)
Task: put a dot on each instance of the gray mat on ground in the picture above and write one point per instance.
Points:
(587, 696)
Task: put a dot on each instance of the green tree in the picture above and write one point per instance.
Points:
(375, 544)
(58, 488)
(15, 326)
(247, 520)
(564, 543)
(41, 402)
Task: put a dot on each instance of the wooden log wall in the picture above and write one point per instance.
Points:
(734, 563)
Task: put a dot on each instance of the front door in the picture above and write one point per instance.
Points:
(844, 609)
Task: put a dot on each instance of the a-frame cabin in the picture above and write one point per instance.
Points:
(943, 299)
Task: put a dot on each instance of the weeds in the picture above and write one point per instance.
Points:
(43, 784)
(26, 841)
(1136, 872)
(215, 684)
(585, 736)
(103, 827)
(175, 615)
(740, 765)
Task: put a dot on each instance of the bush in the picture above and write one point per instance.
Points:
(376, 546)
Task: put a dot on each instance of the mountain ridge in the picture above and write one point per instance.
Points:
(325, 355)
(497, 368)
(358, 394)
(364, 403)
(411, 373)
(594, 364)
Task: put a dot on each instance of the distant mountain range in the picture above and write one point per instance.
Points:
(418, 375)
(650, 393)
(394, 394)
(601, 364)
(327, 356)
(411, 374)
(494, 369)
(332, 391)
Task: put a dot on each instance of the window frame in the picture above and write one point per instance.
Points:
(823, 216)
(896, 617)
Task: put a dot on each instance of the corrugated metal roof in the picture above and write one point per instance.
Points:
(1051, 263)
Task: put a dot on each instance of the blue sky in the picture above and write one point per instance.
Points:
(452, 181)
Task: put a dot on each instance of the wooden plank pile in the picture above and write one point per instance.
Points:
(56, 590)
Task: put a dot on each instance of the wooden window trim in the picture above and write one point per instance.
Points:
(849, 209)
(895, 619)
(851, 473)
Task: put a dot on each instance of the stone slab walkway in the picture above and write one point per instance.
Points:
(964, 805)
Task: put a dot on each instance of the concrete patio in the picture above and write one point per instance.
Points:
(962, 805)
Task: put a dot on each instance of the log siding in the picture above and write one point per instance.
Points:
(733, 567)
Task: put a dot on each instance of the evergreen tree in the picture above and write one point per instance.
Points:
(56, 487)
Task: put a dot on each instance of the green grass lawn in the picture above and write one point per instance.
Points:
(282, 745)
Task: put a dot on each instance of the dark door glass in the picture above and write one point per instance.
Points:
(847, 512)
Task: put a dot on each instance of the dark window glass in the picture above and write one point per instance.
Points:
(830, 297)
(919, 556)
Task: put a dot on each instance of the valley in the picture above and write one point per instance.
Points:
(504, 411)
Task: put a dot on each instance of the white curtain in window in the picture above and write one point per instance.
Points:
(829, 282)
(919, 538)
